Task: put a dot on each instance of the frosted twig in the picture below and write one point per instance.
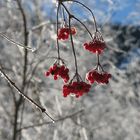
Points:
(43, 110)
(39, 25)
(47, 123)
(15, 43)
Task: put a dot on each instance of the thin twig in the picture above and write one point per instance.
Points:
(43, 110)
(78, 2)
(72, 44)
(83, 26)
(24, 77)
(77, 20)
(58, 120)
(15, 43)
(57, 18)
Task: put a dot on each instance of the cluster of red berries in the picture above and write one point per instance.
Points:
(63, 33)
(95, 46)
(58, 71)
(76, 88)
(95, 76)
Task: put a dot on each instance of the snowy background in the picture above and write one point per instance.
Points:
(107, 112)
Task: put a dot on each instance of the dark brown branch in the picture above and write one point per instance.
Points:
(25, 43)
(21, 99)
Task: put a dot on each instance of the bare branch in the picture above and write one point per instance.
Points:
(58, 120)
(43, 110)
(15, 43)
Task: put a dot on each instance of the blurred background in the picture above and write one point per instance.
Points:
(107, 112)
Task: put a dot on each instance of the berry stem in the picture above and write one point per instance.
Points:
(58, 48)
(84, 26)
(94, 19)
(98, 63)
(71, 38)
(98, 59)
(64, 17)
(66, 9)
(72, 16)
(72, 44)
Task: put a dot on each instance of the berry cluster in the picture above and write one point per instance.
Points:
(76, 88)
(97, 45)
(95, 76)
(59, 71)
(63, 33)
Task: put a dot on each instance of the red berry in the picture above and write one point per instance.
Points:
(98, 77)
(95, 46)
(59, 71)
(63, 33)
(76, 88)
(47, 73)
(73, 30)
